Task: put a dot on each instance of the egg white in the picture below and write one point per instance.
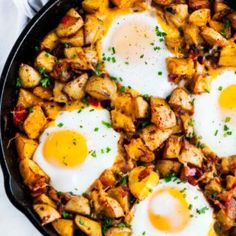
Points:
(137, 61)
(84, 121)
(199, 224)
(209, 117)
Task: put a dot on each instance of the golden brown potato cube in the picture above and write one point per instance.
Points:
(95, 202)
(228, 165)
(123, 3)
(35, 122)
(76, 40)
(124, 103)
(92, 29)
(192, 35)
(214, 185)
(174, 44)
(88, 226)
(164, 2)
(27, 99)
(140, 107)
(116, 231)
(154, 137)
(178, 15)
(44, 199)
(216, 25)
(50, 41)
(121, 195)
(213, 38)
(79, 205)
(180, 66)
(91, 56)
(166, 167)
(178, 129)
(101, 88)
(75, 88)
(25, 147)
(32, 175)
(92, 6)
(46, 61)
(46, 213)
(197, 4)
(51, 109)
(188, 124)
(64, 227)
(200, 17)
(142, 180)
(181, 101)
(230, 181)
(122, 122)
(137, 150)
(29, 77)
(228, 56)
(69, 24)
(225, 221)
(107, 178)
(43, 93)
(172, 147)
(200, 84)
(58, 95)
(162, 115)
(191, 154)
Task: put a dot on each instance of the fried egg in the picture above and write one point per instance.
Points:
(173, 208)
(77, 149)
(215, 115)
(134, 52)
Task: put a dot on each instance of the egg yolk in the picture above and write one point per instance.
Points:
(65, 148)
(172, 219)
(227, 97)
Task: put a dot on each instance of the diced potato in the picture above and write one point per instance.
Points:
(79, 205)
(76, 40)
(95, 202)
(162, 115)
(88, 226)
(29, 76)
(191, 154)
(197, 4)
(200, 84)
(43, 93)
(154, 137)
(92, 29)
(178, 15)
(140, 107)
(142, 180)
(230, 181)
(172, 147)
(164, 2)
(64, 227)
(58, 95)
(25, 147)
(50, 41)
(92, 6)
(166, 167)
(124, 103)
(121, 196)
(228, 56)
(107, 178)
(44, 199)
(69, 24)
(216, 25)
(214, 185)
(46, 213)
(181, 101)
(192, 35)
(123, 3)
(200, 17)
(228, 165)
(27, 99)
(225, 221)
(122, 122)
(213, 38)
(75, 88)
(51, 109)
(33, 128)
(180, 66)
(110, 206)
(33, 176)
(136, 150)
(174, 44)
(101, 88)
(46, 61)
(187, 123)
(91, 56)
(178, 129)
(116, 231)
(221, 10)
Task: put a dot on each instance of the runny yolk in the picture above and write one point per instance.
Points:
(65, 149)
(172, 218)
(227, 97)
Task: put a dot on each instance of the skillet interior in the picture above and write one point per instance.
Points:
(24, 51)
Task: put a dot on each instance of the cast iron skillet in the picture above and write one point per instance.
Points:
(23, 51)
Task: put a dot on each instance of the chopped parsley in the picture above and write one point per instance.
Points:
(227, 119)
(96, 129)
(98, 69)
(202, 210)
(216, 132)
(66, 215)
(106, 223)
(60, 125)
(159, 72)
(30, 109)
(107, 124)
(191, 122)
(124, 181)
(81, 222)
(122, 89)
(108, 149)
(93, 153)
(45, 82)
(121, 225)
(226, 27)
(67, 45)
(220, 88)
(169, 177)
(18, 82)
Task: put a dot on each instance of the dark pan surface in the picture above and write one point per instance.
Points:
(23, 51)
